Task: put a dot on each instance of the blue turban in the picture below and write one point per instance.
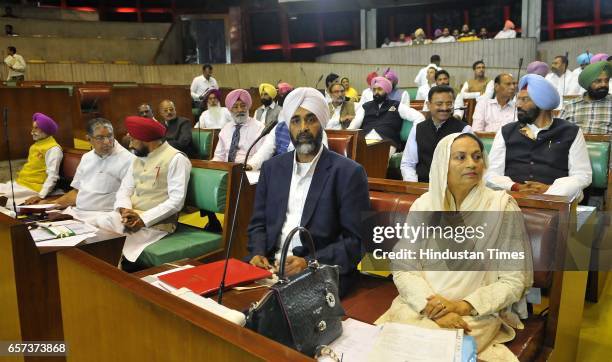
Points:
(541, 91)
(584, 58)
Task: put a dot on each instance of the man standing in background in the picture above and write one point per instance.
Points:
(16, 65)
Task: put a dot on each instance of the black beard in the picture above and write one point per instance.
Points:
(266, 102)
(143, 152)
(528, 117)
(280, 101)
(598, 93)
(378, 98)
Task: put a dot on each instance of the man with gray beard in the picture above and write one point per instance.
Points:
(236, 136)
(311, 187)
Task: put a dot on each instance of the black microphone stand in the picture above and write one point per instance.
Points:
(233, 225)
(8, 155)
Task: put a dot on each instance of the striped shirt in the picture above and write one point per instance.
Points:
(593, 117)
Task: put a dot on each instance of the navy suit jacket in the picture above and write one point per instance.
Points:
(332, 213)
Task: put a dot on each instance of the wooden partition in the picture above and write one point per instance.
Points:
(30, 303)
(22, 103)
(352, 144)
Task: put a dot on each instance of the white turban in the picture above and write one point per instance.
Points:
(307, 98)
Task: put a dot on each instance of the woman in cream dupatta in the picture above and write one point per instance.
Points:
(484, 303)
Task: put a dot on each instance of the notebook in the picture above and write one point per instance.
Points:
(206, 278)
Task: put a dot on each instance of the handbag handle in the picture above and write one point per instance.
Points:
(311, 247)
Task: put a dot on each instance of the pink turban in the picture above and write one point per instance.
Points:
(539, 68)
(599, 57)
(284, 88)
(383, 83)
(437, 33)
(237, 94)
(371, 76)
(45, 123)
(508, 25)
(392, 76)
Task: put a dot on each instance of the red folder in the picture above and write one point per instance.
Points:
(206, 278)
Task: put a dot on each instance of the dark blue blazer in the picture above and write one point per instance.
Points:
(337, 197)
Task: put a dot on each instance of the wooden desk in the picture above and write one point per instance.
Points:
(135, 321)
(352, 144)
(29, 290)
(22, 103)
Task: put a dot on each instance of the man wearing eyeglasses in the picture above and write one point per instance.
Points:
(99, 173)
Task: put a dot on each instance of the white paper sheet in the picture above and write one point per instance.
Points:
(79, 228)
(253, 177)
(37, 207)
(69, 241)
(402, 342)
(356, 341)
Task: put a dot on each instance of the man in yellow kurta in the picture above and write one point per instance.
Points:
(40, 173)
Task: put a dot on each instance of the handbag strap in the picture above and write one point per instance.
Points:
(311, 247)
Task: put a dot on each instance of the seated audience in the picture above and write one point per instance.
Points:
(145, 110)
(455, 33)
(465, 31)
(396, 94)
(539, 154)
(421, 78)
(480, 85)
(283, 90)
(151, 194)
(420, 37)
(446, 37)
(582, 60)
(269, 110)
(483, 34)
(562, 78)
(214, 116)
(367, 94)
(443, 78)
(592, 112)
(341, 110)
(507, 32)
(99, 174)
(40, 173)
(386, 43)
(486, 304)
(382, 118)
(471, 36)
(329, 80)
(237, 136)
(493, 113)
(350, 92)
(601, 57)
(403, 40)
(178, 129)
(437, 34)
(423, 90)
(424, 136)
(311, 187)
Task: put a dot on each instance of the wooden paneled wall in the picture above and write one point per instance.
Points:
(237, 75)
(503, 53)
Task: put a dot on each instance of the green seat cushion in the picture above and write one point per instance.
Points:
(69, 87)
(207, 189)
(395, 161)
(412, 92)
(195, 111)
(599, 153)
(406, 127)
(185, 242)
(487, 142)
(202, 141)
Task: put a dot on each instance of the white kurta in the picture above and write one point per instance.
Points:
(214, 118)
(178, 180)
(200, 85)
(506, 34)
(421, 78)
(18, 63)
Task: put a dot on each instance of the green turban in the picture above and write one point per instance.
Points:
(592, 72)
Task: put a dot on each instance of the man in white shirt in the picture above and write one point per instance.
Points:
(236, 137)
(539, 154)
(367, 94)
(98, 175)
(40, 173)
(424, 89)
(214, 116)
(152, 193)
(269, 109)
(425, 135)
(16, 65)
(507, 32)
(446, 37)
(562, 78)
(311, 187)
(491, 114)
(202, 83)
(421, 78)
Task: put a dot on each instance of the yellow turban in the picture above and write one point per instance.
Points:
(267, 88)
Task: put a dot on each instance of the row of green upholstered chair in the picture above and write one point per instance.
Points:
(393, 171)
(208, 190)
(204, 141)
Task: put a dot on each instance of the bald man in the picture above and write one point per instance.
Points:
(310, 187)
(178, 129)
(539, 154)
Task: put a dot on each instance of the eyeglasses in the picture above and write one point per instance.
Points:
(103, 138)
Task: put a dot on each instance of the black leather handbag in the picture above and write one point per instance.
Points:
(303, 311)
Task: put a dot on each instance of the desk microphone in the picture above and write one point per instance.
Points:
(8, 156)
(228, 251)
